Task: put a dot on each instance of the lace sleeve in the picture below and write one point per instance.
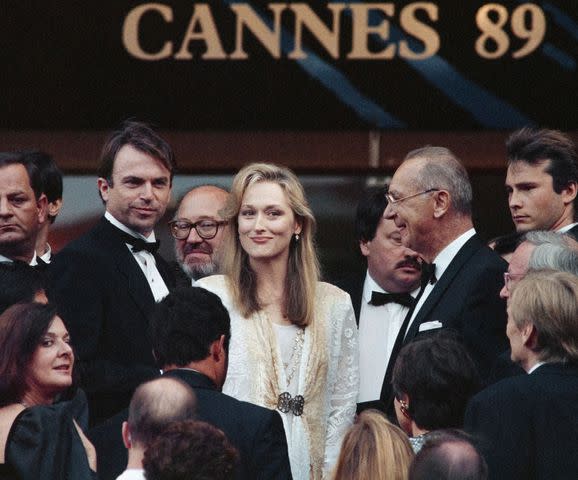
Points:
(344, 379)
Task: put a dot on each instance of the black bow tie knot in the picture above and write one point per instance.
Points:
(138, 244)
(380, 298)
(428, 273)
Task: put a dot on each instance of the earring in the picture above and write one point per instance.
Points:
(296, 237)
(403, 407)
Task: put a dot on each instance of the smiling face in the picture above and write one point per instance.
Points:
(140, 190)
(266, 222)
(414, 217)
(20, 213)
(197, 256)
(50, 369)
(394, 267)
(534, 204)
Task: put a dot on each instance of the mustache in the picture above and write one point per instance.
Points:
(409, 262)
(202, 247)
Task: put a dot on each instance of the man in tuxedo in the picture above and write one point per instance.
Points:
(154, 406)
(527, 426)
(106, 282)
(199, 230)
(51, 187)
(383, 295)
(430, 202)
(22, 208)
(542, 181)
(190, 330)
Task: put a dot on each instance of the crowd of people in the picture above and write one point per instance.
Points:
(442, 358)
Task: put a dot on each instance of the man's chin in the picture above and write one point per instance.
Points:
(196, 271)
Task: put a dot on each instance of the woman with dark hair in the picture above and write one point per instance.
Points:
(293, 338)
(40, 436)
(433, 380)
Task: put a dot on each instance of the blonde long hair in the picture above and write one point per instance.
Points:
(303, 265)
(374, 448)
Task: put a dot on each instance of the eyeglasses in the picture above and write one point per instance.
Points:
(394, 201)
(510, 277)
(206, 229)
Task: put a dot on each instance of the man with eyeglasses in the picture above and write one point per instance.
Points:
(430, 199)
(199, 231)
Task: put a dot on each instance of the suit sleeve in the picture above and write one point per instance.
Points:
(271, 450)
(79, 288)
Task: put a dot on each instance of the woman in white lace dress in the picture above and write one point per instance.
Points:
(293, 338)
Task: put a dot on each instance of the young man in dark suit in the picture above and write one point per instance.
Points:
(527, 425)
(106, 282)
(191, 331)
(430, 199)
(542, 181)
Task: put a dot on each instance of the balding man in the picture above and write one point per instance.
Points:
(198, 230)
(154, 406)
(430, 202)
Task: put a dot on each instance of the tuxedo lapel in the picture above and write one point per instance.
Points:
(442, 285)
(127, 266)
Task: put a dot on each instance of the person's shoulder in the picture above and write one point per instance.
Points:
(507, 390)
(212, 283)
(325, 289)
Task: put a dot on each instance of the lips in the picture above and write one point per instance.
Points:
(260, 239)
(62, 368)
(199, 248)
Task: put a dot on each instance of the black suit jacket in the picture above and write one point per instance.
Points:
(353, 284)
(104, 299)
(466, 299)
(256, 432)
(527, 426)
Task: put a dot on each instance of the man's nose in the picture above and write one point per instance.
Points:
(5, 209)
(388, 212)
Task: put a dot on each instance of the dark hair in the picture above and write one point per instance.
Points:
(185, 324)
(448, 455)
(439, 377)
(157, 403)
(533, 146)
(19, 283)
(50, 175)
(34, 177)
(22, 328)
(190, 450)
(369, 212)
(141, 137)
(507, 243)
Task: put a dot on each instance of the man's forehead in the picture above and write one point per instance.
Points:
(202, 202)
(521, 257)
(406, 174)
(521, 168)
(14, 176)
(130, 161)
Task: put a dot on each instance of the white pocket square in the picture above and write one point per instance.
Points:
(424, 327)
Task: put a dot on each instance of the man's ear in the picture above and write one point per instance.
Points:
(442, 201)
(569, 192)
(54, 207)
(217, 351)
(42, 205)
(530, 336)
(126, 439)
(103, 188)
(364, 247)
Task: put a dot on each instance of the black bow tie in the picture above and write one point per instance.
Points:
(138, 244)
(380, 298)
(428, 273)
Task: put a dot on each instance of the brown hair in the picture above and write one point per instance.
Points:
(373, 448)
(22, 328)
(303, 266)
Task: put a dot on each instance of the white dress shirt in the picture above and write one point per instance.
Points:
(378, 329)
(47, 255)
(442, 262)
(32, 263)
(132, 474)
(146, 260)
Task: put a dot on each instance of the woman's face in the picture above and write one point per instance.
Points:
(50, 370)
(266, 221)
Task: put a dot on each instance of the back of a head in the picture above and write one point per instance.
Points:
(373, 448)
(185, 324)
(19, 283)
(156, 404)
(369, 211)
(443, 170)
(554, 257)
(439, 377)
(190, 450)
(448, 455)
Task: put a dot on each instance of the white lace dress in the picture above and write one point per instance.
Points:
(327, 375)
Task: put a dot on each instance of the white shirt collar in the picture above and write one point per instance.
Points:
(445, 257)
(47, 255)
(567, 227)
(536, 366)
(151, 238)
(32, 263)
